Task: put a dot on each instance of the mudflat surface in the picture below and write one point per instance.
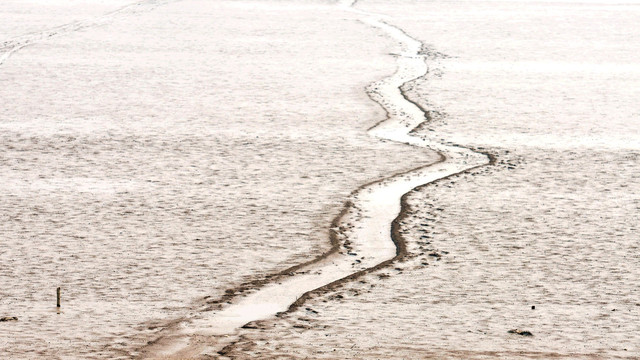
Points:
(175, 150)
(171, 153)
(552, 225)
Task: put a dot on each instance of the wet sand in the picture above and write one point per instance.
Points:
(479, 245)
(146, 175)
(541, 242)
(368, 228)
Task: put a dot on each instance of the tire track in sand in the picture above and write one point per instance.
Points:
(13, 45)
(365, 236)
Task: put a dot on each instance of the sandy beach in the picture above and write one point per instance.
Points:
(319, 179)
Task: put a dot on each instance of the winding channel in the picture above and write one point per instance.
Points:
(365, 235)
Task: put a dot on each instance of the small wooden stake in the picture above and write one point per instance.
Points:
(58, 297)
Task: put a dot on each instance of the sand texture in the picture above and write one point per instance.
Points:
(319, 179)
(144, 171)
(552, 225)
(366, 235)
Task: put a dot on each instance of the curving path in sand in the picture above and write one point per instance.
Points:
(364, 233)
